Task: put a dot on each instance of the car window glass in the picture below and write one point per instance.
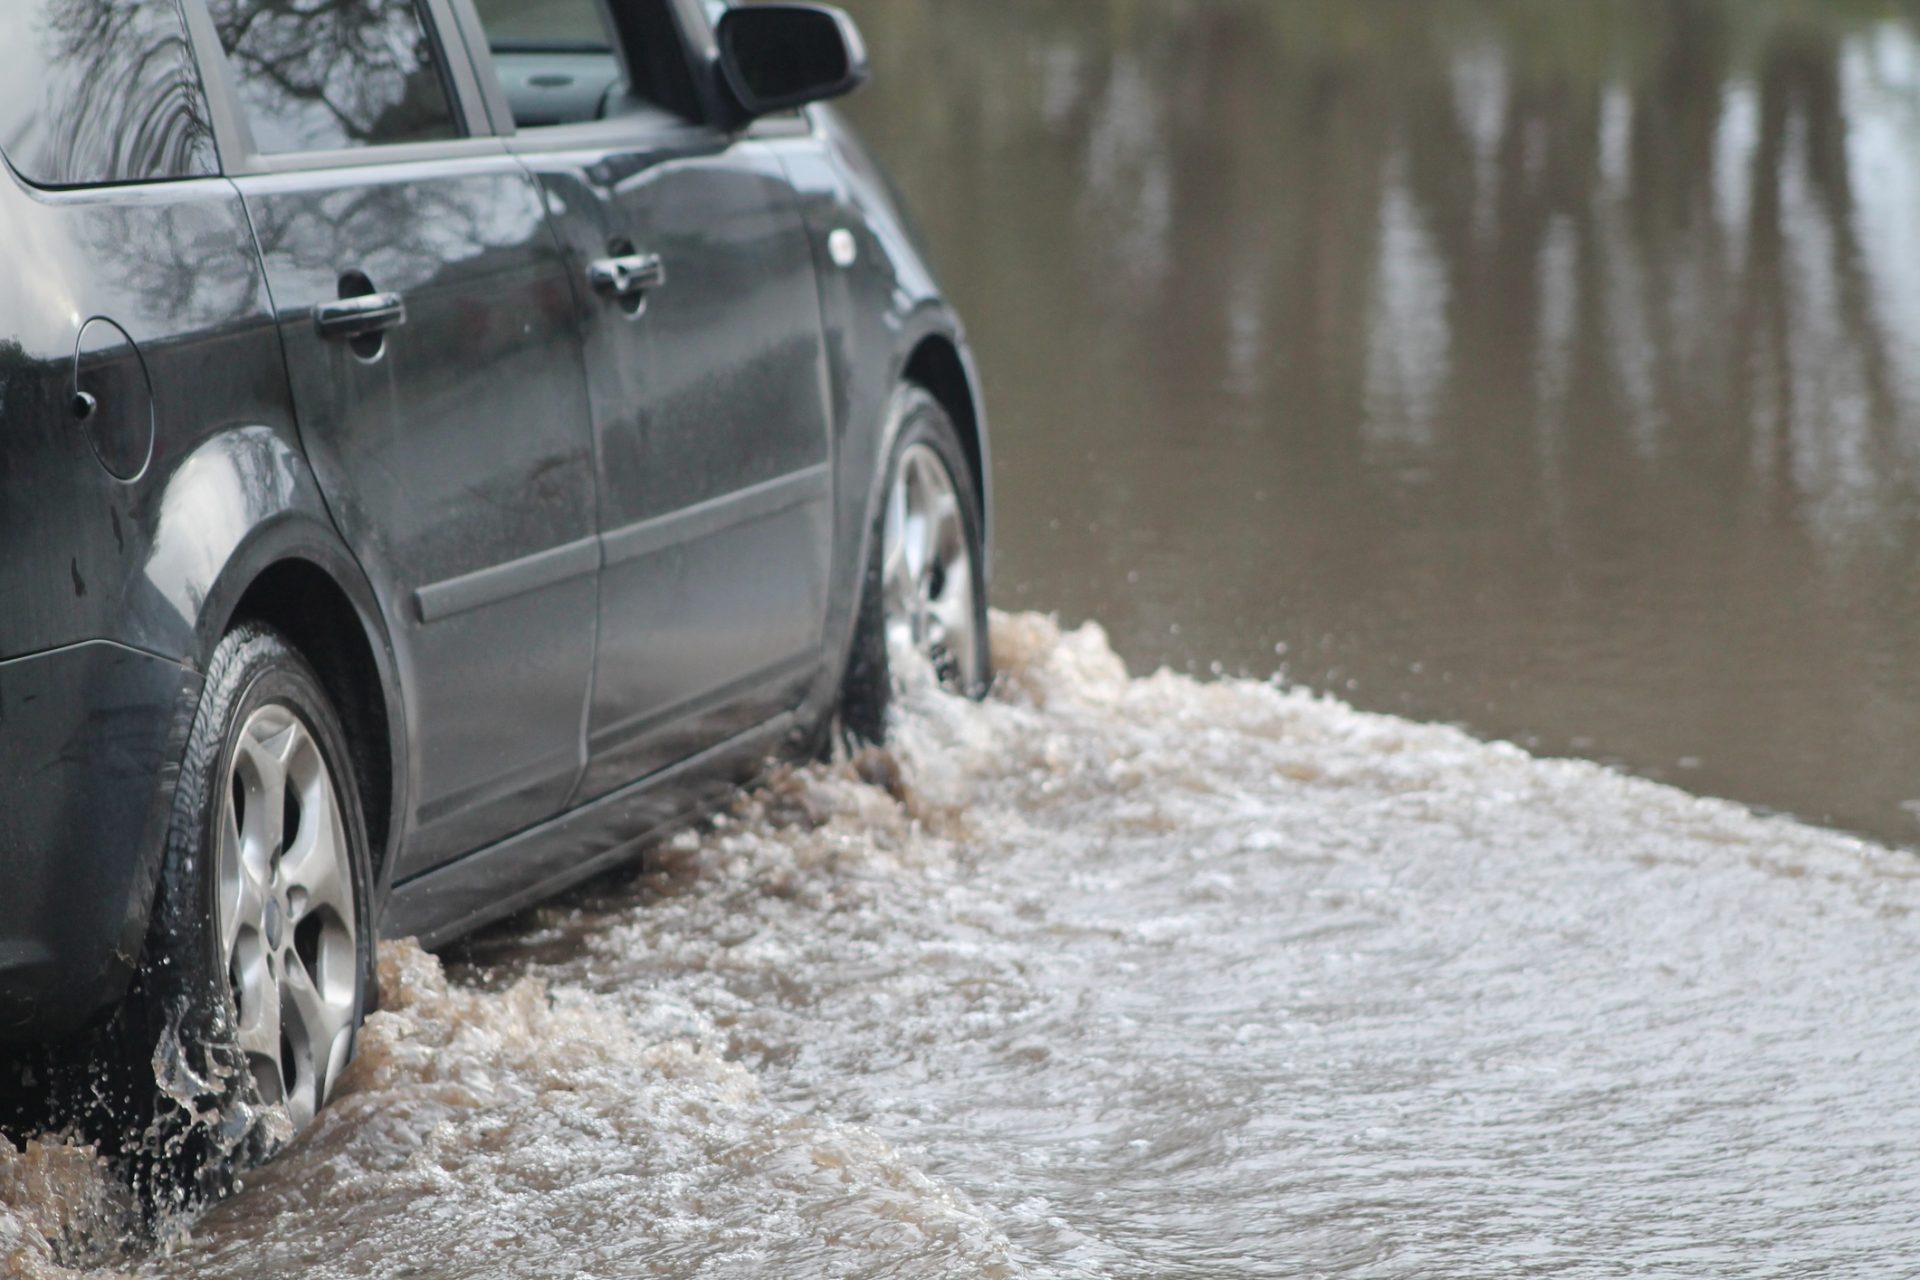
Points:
(544, 24)
(99, 91)
(339, 73)
(560, 62)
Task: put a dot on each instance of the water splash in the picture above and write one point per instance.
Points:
(61, 1209)
(1138, 976)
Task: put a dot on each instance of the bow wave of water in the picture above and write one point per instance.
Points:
(1126, 976)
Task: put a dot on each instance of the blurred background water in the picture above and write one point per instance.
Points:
(1552, 369)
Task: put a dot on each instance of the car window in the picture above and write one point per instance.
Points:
(561, 61)
(101, 91)
(335, 74)
(544, 24)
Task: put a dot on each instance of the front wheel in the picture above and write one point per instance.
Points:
(925, 589)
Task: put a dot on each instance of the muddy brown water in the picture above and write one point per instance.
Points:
(1129, 977)
(1546, 368)
(1552, 369)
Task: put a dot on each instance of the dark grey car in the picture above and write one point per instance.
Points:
(443, 443)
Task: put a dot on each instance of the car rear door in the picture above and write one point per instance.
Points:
(705, 364)
(427, 321)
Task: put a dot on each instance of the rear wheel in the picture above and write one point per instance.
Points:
(925, 589)
(259, 961)
(289, 925)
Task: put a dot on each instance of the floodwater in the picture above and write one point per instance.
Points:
(1548, 368)
(1551, 369)
(1134, 977)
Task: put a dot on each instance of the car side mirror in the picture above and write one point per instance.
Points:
(777, 56)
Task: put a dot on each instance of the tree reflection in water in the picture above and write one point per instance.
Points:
(1555, 368)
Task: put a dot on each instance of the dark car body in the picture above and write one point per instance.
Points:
(570, 568)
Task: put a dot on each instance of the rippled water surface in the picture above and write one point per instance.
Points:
(1137, 977)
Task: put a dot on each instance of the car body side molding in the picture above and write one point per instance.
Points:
(500, 582)
(583, 556)
(703, 519)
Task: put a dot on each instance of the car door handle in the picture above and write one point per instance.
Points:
(358, 316)
(628, 274)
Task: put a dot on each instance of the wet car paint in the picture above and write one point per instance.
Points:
(401, 501)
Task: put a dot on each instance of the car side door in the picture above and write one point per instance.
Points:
(705, 366)
(427, 322)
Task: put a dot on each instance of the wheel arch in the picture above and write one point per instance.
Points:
(939, 361)
(307, 604)
(265, 549)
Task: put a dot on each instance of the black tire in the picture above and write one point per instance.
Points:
(868, 689)
(193, 1114)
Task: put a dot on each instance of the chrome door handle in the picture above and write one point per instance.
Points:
(631, 273)
(359, 316)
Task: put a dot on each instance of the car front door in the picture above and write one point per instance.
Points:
(427, 321)
(701, 324)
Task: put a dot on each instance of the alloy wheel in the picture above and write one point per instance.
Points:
(287, 922)
(927, 570)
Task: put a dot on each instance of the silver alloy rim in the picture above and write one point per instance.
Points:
(927, 573)
(288, 929)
